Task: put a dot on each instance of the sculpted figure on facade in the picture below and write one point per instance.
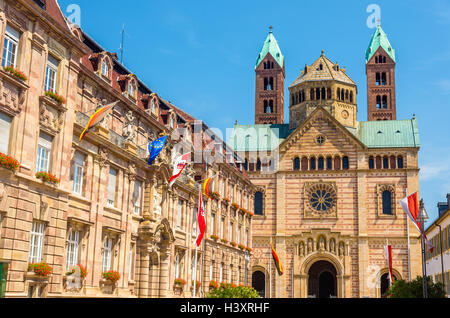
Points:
(301, 249)
(332, 246)
(157, 200)
(310, 246)
(128, 132)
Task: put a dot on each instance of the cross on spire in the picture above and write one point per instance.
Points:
(270, 28)
(378, 21)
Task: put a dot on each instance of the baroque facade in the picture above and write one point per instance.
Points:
(109, 211)
(329, 185)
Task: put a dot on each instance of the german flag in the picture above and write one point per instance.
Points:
(277, 261)
(97, 117)
(207, 187)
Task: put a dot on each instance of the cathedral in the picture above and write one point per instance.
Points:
(328, 184)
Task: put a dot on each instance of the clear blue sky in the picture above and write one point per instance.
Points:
(200, 55)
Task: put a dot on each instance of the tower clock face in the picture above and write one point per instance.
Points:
(345, 114)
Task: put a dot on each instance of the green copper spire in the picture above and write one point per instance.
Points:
(379, 38)
(270, 46)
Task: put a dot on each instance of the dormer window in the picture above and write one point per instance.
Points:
(105, 68)
(153, 107)
(131, 90)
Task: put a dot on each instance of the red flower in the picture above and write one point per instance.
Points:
(16, 73)
(112, 276)
(41, 269)
(47, 177)
(58, 98)
(9, 162)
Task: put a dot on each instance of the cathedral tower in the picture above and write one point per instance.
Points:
(324, 84)
(380, 71)
(270, 75)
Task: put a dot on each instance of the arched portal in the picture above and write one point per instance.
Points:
(322, 280)
(259, 283)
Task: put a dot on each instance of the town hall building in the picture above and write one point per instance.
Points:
(328, 184)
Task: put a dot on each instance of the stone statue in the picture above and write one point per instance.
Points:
(301, 250)
(128, 131)
(332, 246)
(321, 244)
(341, 249)
(310, 246)
(157, 199)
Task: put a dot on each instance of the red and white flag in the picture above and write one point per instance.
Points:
(178, 168)
(410, 205)
(388, 251)
(201, 219)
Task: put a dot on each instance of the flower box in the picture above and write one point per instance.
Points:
(15, 73)
(214, 237)
(198, 284)
(234, 244)
(250, 214)
(226, 200)
(242, 247)
(225, 241)
(111, 276)
(41, 269)
(78, 269)
(242, 210)
(215, 195)
(47, 177)
(8, 162)
(235, 205)
(249, 249)
(179, 282)
(213, 284)
(57, 98)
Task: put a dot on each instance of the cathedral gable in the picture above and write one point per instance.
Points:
(320, 134)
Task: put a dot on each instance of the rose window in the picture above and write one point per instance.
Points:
(321, 197)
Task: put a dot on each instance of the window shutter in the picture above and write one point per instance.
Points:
(5, 126)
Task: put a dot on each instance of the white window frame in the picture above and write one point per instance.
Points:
(230, 231)
(221, 273)
(73, 243)
(107, 254)
(43, 153)
(131, 263)
(213, 221)
(223, 188)
(231, 193)
(180, 214)
(211, 270)
(105, 68)
(10, 47)
(51, 72)
(36, 242)
(109, 201)
(5, 131)
(137, 197)
(222, 225)
(177, 266)
(78, 173)
(239, 234)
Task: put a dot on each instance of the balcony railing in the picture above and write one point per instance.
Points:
(82, 119)
(116, 139)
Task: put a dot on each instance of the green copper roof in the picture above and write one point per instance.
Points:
(270, 46)
(379, 38)
(388, 133)
(374, 134)
(258, 137)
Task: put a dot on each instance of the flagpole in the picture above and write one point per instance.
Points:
(270, 272)
(195, 269)
(407, 233)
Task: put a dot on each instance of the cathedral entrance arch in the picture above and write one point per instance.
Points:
(322, 280)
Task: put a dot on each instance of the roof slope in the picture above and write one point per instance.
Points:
(388, 133)
(270, 46)
(264, 137)
(379, 38)
(329, 71)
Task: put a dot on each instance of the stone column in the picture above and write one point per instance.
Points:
(144, 271)
(164, 271)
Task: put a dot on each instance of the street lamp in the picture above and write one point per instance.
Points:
(247, 258)
(422, 217)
